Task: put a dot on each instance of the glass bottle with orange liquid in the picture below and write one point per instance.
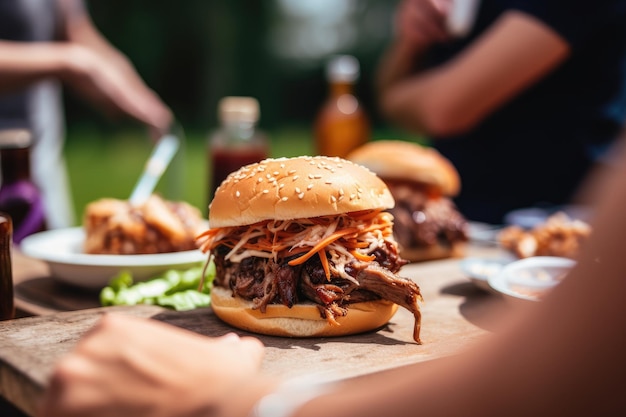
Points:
(342, 124)
(237, 142)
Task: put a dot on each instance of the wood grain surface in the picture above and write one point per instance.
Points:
(455, 314)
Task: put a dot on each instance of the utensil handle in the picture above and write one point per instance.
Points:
(156, 165)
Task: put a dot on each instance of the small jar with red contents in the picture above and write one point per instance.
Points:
(238, 141)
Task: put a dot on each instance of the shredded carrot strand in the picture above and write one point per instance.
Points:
(362, 257)
(322, 244)
(322, 254)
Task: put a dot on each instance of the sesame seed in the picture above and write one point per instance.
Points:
(333, 198)
(266, 191)
(301, 196)
(328, 182)
(317, 177)
(291, 172)
(260, 179)
(268, 176)
(352, 196)
(281, 186)
(311, 176)
(297, 189)
(308, 187)
(341, 192)
(237, 194)
(282, 165)
(276, 173)
(295, 177)
(285, 198)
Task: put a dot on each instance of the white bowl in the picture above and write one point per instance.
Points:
(530, 278)
(62, 250)
(478, 270)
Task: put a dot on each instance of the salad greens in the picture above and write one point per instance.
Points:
(175, 289)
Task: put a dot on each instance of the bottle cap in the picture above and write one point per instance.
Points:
(239, 109)
(15, 138)
(343, 68)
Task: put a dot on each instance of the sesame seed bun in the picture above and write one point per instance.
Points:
(301, 320)
(296, 188)
(394, 159)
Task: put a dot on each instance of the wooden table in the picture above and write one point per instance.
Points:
(455, 313)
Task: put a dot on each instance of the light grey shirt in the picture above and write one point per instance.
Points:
(39, 107)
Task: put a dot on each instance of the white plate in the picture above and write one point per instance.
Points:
(478, 270)
(62, 249)
(530, 278)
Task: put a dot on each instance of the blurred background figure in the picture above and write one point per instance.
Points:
(525, 102)
(47, 44)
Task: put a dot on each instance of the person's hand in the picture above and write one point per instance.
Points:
(422, 22)
(114, 86)
(127, 366)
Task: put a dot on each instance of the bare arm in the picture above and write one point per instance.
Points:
(517, 51)
(85, 62)
(22, 64)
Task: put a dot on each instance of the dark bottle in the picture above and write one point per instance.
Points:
(237, 142)
(20, 198)
(7, 308)
(342, 124)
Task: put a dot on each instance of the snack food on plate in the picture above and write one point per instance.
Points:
(304, 247)
(115, 226)
(427, 223)
(559, 235)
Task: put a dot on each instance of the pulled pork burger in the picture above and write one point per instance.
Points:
(304, 247)
(427, 223)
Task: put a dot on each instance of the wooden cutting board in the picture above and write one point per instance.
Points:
(455, 314)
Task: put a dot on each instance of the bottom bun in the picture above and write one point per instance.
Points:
(301, 320)
(433, 252)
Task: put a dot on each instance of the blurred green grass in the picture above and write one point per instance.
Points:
(103, 164)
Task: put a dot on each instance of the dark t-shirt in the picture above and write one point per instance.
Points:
(537, 148)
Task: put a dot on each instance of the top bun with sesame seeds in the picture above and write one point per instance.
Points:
(293, 188)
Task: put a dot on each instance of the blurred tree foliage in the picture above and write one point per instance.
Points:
(193, 52)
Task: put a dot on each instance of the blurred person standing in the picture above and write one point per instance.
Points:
(47, 44)
(525, 104)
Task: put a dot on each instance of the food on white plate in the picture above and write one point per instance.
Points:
(117, 227)
(304, 247)
(559, 235)
(427, 223)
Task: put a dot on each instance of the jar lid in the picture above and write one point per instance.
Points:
(239, 109)
(343, 68)
(15, 138)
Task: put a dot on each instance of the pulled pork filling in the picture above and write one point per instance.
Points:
(331, 261)
(422, 220)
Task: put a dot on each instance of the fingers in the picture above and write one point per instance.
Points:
(250, 347)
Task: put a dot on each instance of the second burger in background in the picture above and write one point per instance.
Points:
(427, 223)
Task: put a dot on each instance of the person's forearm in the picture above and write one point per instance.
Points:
(398, 63)
(23, 63)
